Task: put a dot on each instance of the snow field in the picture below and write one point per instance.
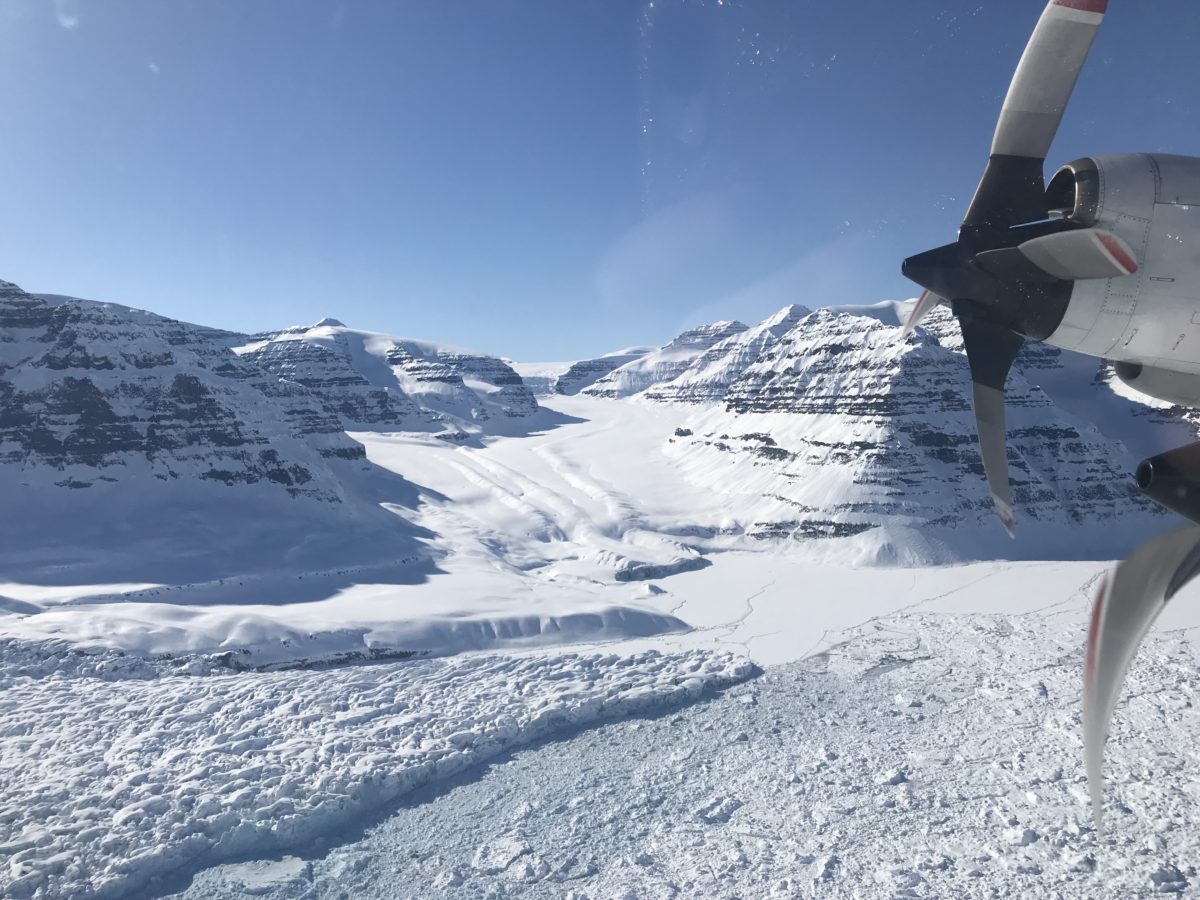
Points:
(921, 756)
(115, 775)
(544, 540)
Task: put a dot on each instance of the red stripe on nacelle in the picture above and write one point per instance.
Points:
(1124, 260)
(1096, 6)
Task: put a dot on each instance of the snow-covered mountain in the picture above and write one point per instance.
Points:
(712, 373)
(93, 392)
(664, 363)
(379, 382)
(830, 424)
(177, 509)
(135, 442)
(812, 424)
(840, 428)
(586, 372)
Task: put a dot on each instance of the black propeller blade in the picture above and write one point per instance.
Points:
(1007, 276)
(991, 350)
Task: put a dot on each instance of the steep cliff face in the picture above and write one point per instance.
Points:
(378, 382)
(665, 363)
(842, 428)
(495, 389)
(326, 368)
(586, 372)
(91, 392)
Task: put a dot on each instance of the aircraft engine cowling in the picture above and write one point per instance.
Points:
(1098, 191)
(1180, 388)
(1075, 192)
(1151, 202)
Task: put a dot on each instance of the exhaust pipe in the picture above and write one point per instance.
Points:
(1172, 479)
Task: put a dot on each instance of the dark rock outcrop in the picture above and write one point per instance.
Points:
(376, 382)
(96, 391)
(586, 372)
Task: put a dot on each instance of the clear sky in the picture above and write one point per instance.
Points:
(541, 179)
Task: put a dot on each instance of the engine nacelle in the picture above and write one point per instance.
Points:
(1179, 388)
(1105, 191)
(1173, 480)
(1152, 202)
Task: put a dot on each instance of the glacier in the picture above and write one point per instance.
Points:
(272, 587)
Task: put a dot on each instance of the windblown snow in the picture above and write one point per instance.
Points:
(266, 587)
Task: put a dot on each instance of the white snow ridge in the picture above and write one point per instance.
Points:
(324, 613)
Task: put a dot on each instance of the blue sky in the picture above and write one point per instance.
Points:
(541, 179)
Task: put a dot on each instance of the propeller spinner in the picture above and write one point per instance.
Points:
(1010, 274)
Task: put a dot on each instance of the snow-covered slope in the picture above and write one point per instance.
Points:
(664, 363)
(712, 373)
(889, 312)
(379, 382)
(139, 445)
(843, 429)
(586, 372)
(177, 498)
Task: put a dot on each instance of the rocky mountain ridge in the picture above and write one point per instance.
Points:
(664, 364)
(711, 374)
(815, 424)
(842, 428)
(378, 382)
(586, 372)
(90, 392)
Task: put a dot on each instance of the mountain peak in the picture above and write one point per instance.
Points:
(712, 372)
(665, 363)
(329, 322)
(791, 312)
(704, 336)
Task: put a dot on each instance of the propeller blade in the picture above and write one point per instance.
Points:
(991, 350)
(923, 307)
(1129, 601)
(1012, 190)
(1046, 76)
(1077, 255)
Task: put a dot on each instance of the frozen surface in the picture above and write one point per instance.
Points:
(531, 540)
(916, 735)
(580, 518)
(922, 755)
(549, 538)
(134, 772)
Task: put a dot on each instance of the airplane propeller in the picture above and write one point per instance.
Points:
(1010, 274)
(1127, 604)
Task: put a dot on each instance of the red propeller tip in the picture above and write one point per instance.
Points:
(1094, 6)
